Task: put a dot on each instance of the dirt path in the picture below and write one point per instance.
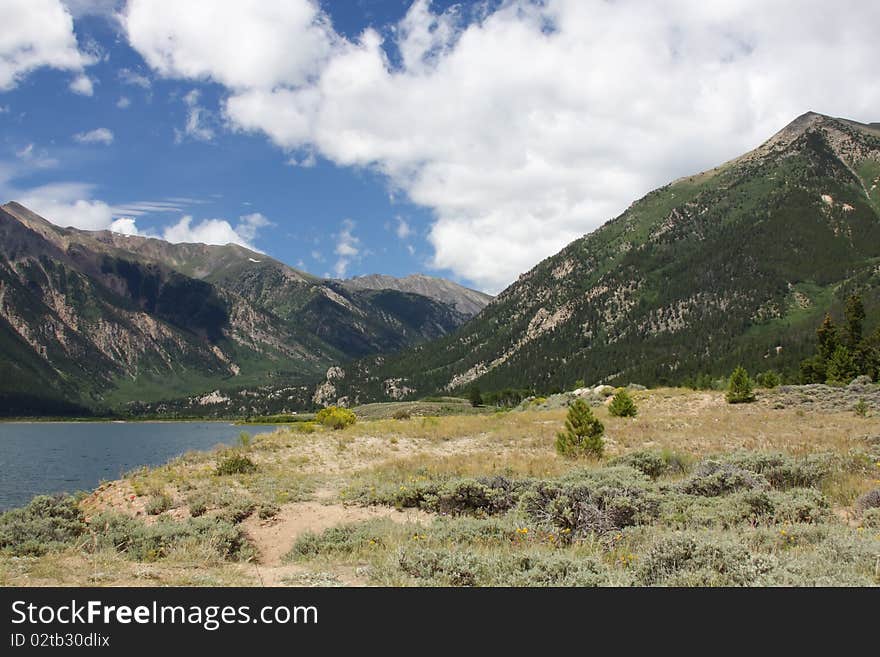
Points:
(273, 538)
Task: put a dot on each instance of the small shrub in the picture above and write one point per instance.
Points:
(652, 463)
(740, 388)
(342, 539)
(712, 478)
(871, 518)
(47, 523)
(613, 499)
(269, 510)
(583, 433)
(336, 417)
(861, 408)
(236, 464)
(768, 380)
(238, 510)
(401, 414)
(622, 405)
(691, 561)
(244, 440)
(158, 504)
(870, 500)
(214, 538)
(198, 504)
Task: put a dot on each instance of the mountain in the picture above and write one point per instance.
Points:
(466, 301)
(91, 320)
(733, 265)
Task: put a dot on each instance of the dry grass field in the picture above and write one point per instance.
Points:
(692, 491)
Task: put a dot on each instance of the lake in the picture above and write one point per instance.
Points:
(55, 457)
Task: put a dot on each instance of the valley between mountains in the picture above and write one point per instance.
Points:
(735, 265)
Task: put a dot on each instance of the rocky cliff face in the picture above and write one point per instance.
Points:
(732, 265)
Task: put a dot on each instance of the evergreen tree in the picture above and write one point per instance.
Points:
(740, 390)
(583, 433)
(855, 317)
(841, 368)
(828, 340)
(622, 405)
(475, 396)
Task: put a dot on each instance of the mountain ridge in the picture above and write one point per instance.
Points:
(85, 315)
(702, 273)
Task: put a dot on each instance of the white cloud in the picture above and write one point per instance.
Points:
(124, 102)
(96, 136)
(536, 123)
(37, 33)
(197, 120)
(80, 8)
(403, 229)
(82, 85)
(68, 204)
(216, 231)
(127, 76)
(245, 43)
(307, 162)
(347, 248)
(125, 225)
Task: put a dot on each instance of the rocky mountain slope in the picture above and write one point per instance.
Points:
(466, 301)
(733, 265)
(94, 319)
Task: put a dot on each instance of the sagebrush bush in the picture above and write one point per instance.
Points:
(268, 510)
(342, 539)
(692, 560)
(236, 464)
(870, 500)
(47, 523)
(204, 537)
(583, 433)
(871, 518)
(622, 405)
(782, 471)
(592, 505)
(457, 568)
(401, 414)
(158, 504)
(654, 463)
(198, 504)
(336, 417)
(711, 478)
(238, 510)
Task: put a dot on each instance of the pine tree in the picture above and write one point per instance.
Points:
(828, 340)
(583, 433)
(475, 396)
(841, 367)
(855, 316)
(740, 390)
(622, 405)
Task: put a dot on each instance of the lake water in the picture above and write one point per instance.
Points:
(55, 457)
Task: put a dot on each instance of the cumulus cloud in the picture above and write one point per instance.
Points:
(528, 126)
(124, 102)
(38, 33)
(96, 136)
(82, 85)
(68, 204)
(216, 231)
(245, 43)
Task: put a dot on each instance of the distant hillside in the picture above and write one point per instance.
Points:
(90, 320)
(466, 301)
(733, 265)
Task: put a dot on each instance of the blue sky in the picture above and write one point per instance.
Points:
(465, 140)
